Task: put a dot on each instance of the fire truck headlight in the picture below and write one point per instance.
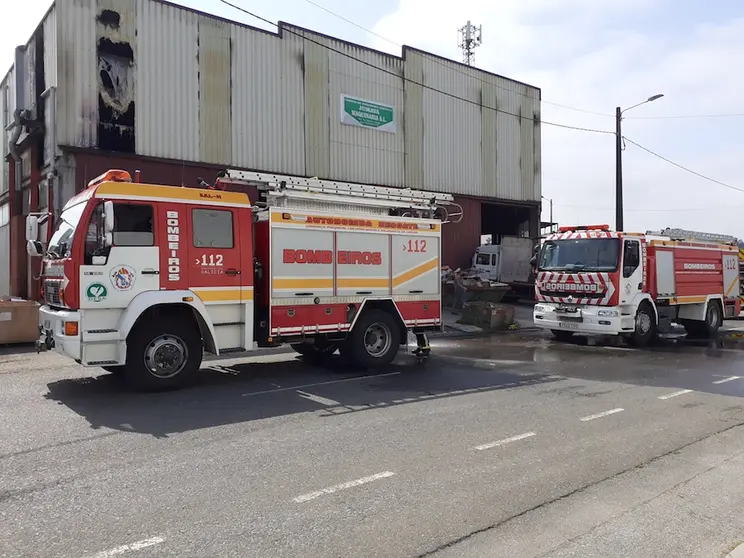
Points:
(541, 308)
(608, 313)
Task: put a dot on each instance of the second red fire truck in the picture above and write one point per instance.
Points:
(142, 279)
(591, 280)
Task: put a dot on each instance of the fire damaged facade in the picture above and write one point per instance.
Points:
(180, 95)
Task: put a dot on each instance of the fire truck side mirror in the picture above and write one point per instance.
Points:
(32, 228)
(108, 217)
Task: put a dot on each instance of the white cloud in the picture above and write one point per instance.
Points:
(595, 55)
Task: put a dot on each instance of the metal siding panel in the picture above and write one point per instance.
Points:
(167, 82)
(413, 124)
(214, 91)
(77, 98)
(468, 147)
(50, 48)
(364, 154)
(317, 109)
(268, 130)
(4, 119)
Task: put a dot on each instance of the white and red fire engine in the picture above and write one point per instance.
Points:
(591, 280)
(141, 279)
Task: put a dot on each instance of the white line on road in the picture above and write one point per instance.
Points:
(602, 414)
(729, 379)
(318, 399)
(343, 486)
(139, 545)
(321, 383)
(506, 441)
(675, 394)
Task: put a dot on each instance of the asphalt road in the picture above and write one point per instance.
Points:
(501, 446)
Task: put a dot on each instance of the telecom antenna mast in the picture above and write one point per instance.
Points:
(470, 38)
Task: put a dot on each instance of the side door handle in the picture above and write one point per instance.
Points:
(232, 272)
(150, 272)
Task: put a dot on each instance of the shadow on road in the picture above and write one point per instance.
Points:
(249, 392)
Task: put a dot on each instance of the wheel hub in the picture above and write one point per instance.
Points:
(643, 322)
(166, 356)
(377, 339)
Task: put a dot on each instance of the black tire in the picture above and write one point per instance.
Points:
(375, 340)
(562, 335)
(713, 319)
(169, 338)
(645, 325)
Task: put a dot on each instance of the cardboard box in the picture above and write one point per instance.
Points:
(19, 321)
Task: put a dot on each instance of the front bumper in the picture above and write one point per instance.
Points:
(589, 320)
(52, 329)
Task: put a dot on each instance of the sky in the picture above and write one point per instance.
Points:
(587, 56)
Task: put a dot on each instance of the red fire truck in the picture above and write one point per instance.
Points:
(591, 280)
(141, 279)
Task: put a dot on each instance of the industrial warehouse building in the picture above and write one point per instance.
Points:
(178, 95)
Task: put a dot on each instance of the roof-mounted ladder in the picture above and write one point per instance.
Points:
(687, 235)
(311, 193)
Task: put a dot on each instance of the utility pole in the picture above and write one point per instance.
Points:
(618, 170)
(619, 159)
(469, 39)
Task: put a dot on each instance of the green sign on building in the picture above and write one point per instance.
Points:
(367, 114)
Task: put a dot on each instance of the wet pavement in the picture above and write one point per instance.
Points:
(506, 445)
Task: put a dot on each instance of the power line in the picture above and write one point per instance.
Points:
(685, 116)
(358, 26)
(709, 179)
(422, 85)
(645, 210)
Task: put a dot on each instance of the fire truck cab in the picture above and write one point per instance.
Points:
(143, 279)
(591, 280)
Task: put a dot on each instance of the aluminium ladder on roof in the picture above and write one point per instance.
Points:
(284, 190)
(688, 235)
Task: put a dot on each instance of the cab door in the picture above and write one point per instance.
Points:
(215, 272)
(632, 271)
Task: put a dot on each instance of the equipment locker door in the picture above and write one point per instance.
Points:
(731, 275)
(215, 271)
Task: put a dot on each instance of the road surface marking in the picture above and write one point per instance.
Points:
(602, 414)
(139, 545)
(506, 441)
(321, 383)
(675, 394)
(318, 399)
(343, 486)
(729, 379)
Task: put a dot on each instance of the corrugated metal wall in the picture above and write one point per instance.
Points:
(470, 132)
(4, 120)
(217, 92)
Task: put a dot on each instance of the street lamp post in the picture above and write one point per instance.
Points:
(619, 159)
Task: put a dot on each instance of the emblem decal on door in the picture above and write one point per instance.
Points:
(122, 277)
(96, 292)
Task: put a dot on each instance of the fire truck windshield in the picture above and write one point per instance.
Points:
(580, 254)
(61, 242)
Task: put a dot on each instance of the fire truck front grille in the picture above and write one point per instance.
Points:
(51, 293)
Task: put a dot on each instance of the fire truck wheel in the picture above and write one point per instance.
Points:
(645, 325)
(163, 355)
(374, 341)
(713, 319)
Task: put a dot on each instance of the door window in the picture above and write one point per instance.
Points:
(213, 228)
(133, 225)
(631, 257)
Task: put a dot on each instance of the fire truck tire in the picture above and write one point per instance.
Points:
(713, 319)
(163, 355)
(562, 335)
(374, 341)
(645, 325)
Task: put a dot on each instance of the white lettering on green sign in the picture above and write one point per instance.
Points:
(367, 114)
